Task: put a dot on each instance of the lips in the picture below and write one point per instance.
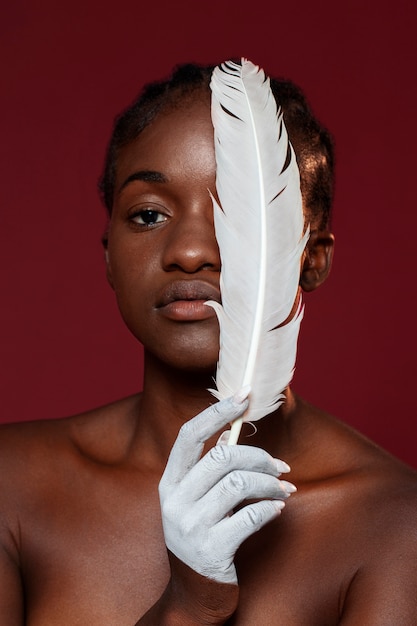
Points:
(184, 300)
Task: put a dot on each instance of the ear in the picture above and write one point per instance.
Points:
(317, 262)
(104, 241)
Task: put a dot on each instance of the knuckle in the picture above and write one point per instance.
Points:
(219, 455)
(257, 515)
(190, 526)
(161, 489)
(186, 432)
(169, 512)
(215, 409)
(226, 410)
(187, 525)
(252, 517)
(237, 483)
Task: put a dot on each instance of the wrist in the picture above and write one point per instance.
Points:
(197, 599)
(191, 599)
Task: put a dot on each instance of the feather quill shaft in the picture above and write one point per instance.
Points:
(259, 226)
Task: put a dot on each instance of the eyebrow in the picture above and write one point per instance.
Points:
(148, 176)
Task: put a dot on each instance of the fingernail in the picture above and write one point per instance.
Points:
(279, 504)
(282, 466)
(289, 487)
(241, 395)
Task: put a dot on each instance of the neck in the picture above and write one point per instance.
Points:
(170, 398)
(274, 431)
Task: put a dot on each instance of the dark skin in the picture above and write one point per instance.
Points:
(80, 517)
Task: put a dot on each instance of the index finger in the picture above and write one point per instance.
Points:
(189, 444)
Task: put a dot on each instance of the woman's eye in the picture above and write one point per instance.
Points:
(148, 217)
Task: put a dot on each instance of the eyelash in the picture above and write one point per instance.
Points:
(148, 212)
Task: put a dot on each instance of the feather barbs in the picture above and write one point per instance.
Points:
(259, 226)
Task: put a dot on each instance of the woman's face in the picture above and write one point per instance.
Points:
(163, 259)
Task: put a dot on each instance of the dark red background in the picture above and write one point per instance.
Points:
(67, 70)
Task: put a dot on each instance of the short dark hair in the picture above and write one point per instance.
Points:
(312, 142)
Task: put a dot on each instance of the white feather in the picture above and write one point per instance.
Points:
(259, 229)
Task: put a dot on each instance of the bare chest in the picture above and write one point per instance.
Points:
(95, 554)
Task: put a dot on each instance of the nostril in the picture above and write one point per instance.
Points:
(192, 248)
(190, 267)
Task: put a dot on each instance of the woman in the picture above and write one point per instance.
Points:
(83, 538)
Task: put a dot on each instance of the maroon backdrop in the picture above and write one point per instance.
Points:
(67, 70)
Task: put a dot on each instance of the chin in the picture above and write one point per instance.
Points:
(200, 360)
(190, 349)
(198, 363)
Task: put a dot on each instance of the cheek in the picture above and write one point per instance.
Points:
(129, 275)
(131, 263)
(137, 281)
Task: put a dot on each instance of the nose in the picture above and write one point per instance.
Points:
(191, 244)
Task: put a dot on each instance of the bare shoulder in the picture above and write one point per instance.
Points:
(63, 486)
(29, 450)
(351, 469)
(339, 451)
(360, 506)
(43, 464)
